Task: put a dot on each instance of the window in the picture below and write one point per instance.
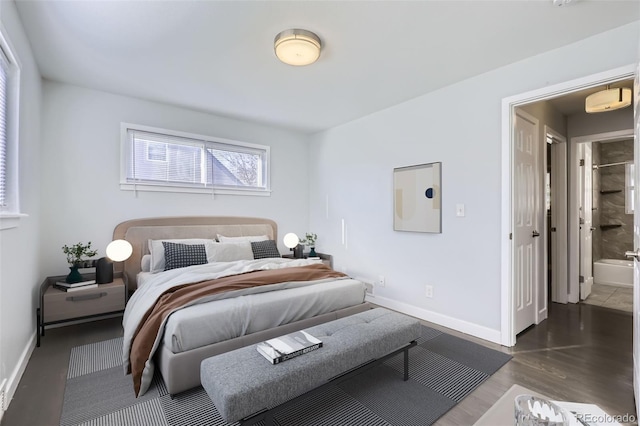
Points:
(9, 83)
(629, 186)
(163, 160)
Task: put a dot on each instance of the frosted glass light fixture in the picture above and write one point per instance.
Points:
(117, 251)
(297, 47)
(292, 241)
(608, 100)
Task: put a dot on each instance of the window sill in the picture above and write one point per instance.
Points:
(10, 220)
(161, 188)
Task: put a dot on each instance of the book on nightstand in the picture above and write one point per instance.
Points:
(288, 346)
(82, 287)
(78, 284)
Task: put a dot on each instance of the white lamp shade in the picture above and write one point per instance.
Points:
(608, 100)
(119, 250)
(297, 47)
(291, 240)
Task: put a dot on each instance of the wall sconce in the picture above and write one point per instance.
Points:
(117, 251)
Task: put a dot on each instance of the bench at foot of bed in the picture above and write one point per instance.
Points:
(243, 385)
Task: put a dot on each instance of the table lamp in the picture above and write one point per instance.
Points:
(292, 241)
(117, 251)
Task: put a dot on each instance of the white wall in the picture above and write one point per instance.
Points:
(459, 125)
(583, 124)
(20, 268)
(81, 197)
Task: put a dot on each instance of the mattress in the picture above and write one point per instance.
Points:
(220, 320)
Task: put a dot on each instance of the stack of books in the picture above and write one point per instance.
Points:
(82, 285)
(288, 346)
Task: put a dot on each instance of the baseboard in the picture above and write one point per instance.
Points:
(466, 327)
(16, 375)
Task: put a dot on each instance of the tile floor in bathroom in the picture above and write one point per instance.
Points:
(609, 296)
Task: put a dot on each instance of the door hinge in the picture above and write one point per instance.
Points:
(553, 229)
(582, 162)
(581, 279)
(511, 235)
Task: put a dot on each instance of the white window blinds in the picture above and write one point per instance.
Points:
(164, 160)
(4, 88)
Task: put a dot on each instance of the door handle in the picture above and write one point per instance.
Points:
(633, 254)
(593, 228)
(535, 234)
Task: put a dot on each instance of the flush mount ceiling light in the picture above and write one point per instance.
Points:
(297, 47)
(608, 100)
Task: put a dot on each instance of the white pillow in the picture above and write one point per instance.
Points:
(229, 252)
(250, 239)
(157, 250)
(145, 263)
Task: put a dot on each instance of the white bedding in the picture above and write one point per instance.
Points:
(144, 298)
(226, 319)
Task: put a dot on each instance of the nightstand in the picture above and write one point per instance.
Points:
(327, 259)
(57, 306)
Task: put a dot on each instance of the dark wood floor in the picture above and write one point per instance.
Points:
(581, 353)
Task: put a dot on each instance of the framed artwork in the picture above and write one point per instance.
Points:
(417, 198)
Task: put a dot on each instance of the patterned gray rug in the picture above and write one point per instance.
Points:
(443, 370)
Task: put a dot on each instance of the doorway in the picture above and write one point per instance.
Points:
(509, 271)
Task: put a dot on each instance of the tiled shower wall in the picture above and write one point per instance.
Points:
(611, 242)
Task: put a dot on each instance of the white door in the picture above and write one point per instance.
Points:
(525, 228)
(559, 258)
(636, 245)
(586, 219)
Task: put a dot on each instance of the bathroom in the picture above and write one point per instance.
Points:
(612, 223)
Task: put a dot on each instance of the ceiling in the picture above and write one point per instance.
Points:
(217, 56)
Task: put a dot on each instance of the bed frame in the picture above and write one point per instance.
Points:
(181, 371)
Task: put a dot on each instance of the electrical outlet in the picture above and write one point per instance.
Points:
(381, 281)
(428, 291)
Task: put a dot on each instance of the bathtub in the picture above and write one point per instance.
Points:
(613, 272)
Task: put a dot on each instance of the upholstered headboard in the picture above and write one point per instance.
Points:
(139, 231)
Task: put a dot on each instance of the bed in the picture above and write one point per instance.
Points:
(224, 321)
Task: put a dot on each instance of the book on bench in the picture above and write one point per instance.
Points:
(288, 346)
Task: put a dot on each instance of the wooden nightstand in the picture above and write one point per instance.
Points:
(57, 306)
(327, 259)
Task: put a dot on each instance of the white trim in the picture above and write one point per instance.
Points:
(12, 207)
(10, 220)
(508, 338)
(466, 327)
(561, 224)
(572, 234)
(16, 375)
(184, 189)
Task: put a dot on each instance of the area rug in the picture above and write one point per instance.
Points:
(443, 370)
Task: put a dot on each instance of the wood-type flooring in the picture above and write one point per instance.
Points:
(581, 353)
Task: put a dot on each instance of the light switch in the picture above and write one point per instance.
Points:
(460, 210)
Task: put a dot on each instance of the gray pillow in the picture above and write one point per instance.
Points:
(264, 249)
(178, 255)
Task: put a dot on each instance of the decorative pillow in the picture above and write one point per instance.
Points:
(145, 263)
(250, 239)
(229, 252)
(157, 250)
(178, 255)
(264, 249)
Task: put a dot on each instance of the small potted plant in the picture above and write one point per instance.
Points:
(76, 255)
(310, 240)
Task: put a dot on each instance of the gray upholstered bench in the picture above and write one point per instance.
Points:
(246, 387)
